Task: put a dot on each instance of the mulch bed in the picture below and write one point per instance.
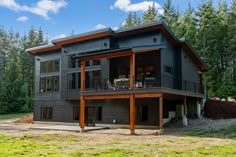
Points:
(215, 109)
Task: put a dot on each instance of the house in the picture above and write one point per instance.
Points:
(142, 75)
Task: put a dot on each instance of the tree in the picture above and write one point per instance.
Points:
(150, 15)
(170, 15)
(186, 27)
(132, 20)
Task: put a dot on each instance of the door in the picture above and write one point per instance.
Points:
(90, 114)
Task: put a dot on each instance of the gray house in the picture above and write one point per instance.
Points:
(140, 76)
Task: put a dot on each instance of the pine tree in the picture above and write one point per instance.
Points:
(186, 27)
(132, 20)
(150, 15)
(170, 15)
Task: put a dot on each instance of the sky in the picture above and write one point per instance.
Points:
(61, 18)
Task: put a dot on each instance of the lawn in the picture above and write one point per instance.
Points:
(195, 143)
(12, 116)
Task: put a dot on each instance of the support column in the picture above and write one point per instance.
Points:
(200, 82)
(132, 114)
(82, 113)
(185, 106)
(132, 70)
(161, 112)
(82, 100)
(82, 76)
(185, 120)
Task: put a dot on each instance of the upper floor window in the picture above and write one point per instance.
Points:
(49, 84)
(74, 62)
(50, 66)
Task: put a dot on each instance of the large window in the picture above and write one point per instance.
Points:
(92, 79)
(50, 66)
(49, 84)
(46, 113)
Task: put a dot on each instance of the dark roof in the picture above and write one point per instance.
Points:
(58, 43)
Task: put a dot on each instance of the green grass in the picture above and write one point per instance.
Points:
(87, 145)
(213, 151)
(229, 132)
(12, 116)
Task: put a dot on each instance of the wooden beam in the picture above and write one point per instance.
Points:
(82, 113)
(148, 95)
(113, 96)
(161, 112)
(112, 55)
(82, 76)
(146, 50)
(185, 106)
(132, 70)
(132, 113)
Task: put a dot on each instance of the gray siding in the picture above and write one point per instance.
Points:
(92, 45)
(140, 40)
(167, 59)
(189, 73)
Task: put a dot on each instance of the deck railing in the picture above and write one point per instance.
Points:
(149, 82)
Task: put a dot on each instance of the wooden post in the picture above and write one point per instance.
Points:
(132, 114)
(82, 100)
(82, 113)
(185, 106)
(82, 76)
(132, 70)
(161, 112)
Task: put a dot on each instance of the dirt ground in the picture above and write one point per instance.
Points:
(176, 129)
(145, 140)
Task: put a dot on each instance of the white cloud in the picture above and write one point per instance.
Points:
(58, 36)
(99, 26)
(126, 5)
(115, 28)
(22, 19)
(42, 7)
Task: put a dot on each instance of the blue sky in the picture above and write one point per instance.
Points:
(58, 18)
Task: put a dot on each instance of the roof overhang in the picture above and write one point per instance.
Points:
(107, 32)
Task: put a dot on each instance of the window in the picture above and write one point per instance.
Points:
(72, 81)
(92, 79)
(99, 114)
(42, 85)
(96, 62)
(168, 69)
(50, 66)
(46, 113)
(49, 84)
(74, 62)
(76, 113)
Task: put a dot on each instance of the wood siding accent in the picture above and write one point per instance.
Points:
(100, 97)
(113, 55)
(148, 95)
